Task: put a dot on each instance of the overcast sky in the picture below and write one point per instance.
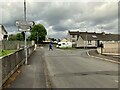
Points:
(59, 17)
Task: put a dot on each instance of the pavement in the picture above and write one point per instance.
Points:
(33, 74)
(106, 57)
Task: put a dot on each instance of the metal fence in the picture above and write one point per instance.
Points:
(11, 62)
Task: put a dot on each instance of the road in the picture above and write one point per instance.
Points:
(75, 69)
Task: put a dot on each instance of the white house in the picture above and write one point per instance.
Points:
(3, 33)
(91, 39)
(64, 43)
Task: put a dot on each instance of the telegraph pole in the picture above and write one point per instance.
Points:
(86, 38)
(25, 33)
(24, 26)
(25, 10)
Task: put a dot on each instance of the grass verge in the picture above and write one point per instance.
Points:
(6, 52)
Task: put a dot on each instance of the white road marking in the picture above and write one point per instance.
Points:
(117, 62)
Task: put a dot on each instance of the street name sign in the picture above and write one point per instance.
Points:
(24, 23)
(24, 28)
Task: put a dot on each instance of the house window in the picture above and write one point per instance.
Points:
(89, 42)
(63, 43)
(73, 40)
(59, 44)
(73, 36)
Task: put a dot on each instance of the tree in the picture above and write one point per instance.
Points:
(52, 39)
(23, 34)
(15, 37)
(19, 37)
(38, 33)
(12, 37)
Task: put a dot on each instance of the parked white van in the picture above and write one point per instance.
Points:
(64, 45)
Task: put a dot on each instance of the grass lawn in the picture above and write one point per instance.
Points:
(6, 52)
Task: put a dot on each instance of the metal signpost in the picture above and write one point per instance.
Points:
(24, 26)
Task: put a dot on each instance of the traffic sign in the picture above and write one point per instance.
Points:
(24, 28)
(24, 23)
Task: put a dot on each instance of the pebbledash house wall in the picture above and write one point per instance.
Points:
(80, 42)
(83, 43)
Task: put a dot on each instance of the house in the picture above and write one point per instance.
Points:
(3, 33)
(64, 40)
(91, 39)
(64, 45)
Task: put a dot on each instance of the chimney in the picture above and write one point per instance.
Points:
(103, 33)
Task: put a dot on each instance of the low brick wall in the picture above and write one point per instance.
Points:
(10, 63)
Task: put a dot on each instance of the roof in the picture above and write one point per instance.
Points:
(64, 40)
(74, 32)
(96, 36)
(3, 28)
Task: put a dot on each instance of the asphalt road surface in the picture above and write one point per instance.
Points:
(75, 69)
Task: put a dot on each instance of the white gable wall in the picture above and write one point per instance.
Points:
(82, 43)
(2, 33)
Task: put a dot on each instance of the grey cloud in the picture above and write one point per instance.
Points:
(57, 15)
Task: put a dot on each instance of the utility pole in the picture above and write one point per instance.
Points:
(25, 10)
(24, 26)
(101, 28)
(26, 61)
(86, 39)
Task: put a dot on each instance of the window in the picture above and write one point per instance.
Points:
(59, 44)
(89, 42)
(73, 40)
(94, 36)
(73, 36)
(63, 43)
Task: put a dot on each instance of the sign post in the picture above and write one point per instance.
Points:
(24, 26)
